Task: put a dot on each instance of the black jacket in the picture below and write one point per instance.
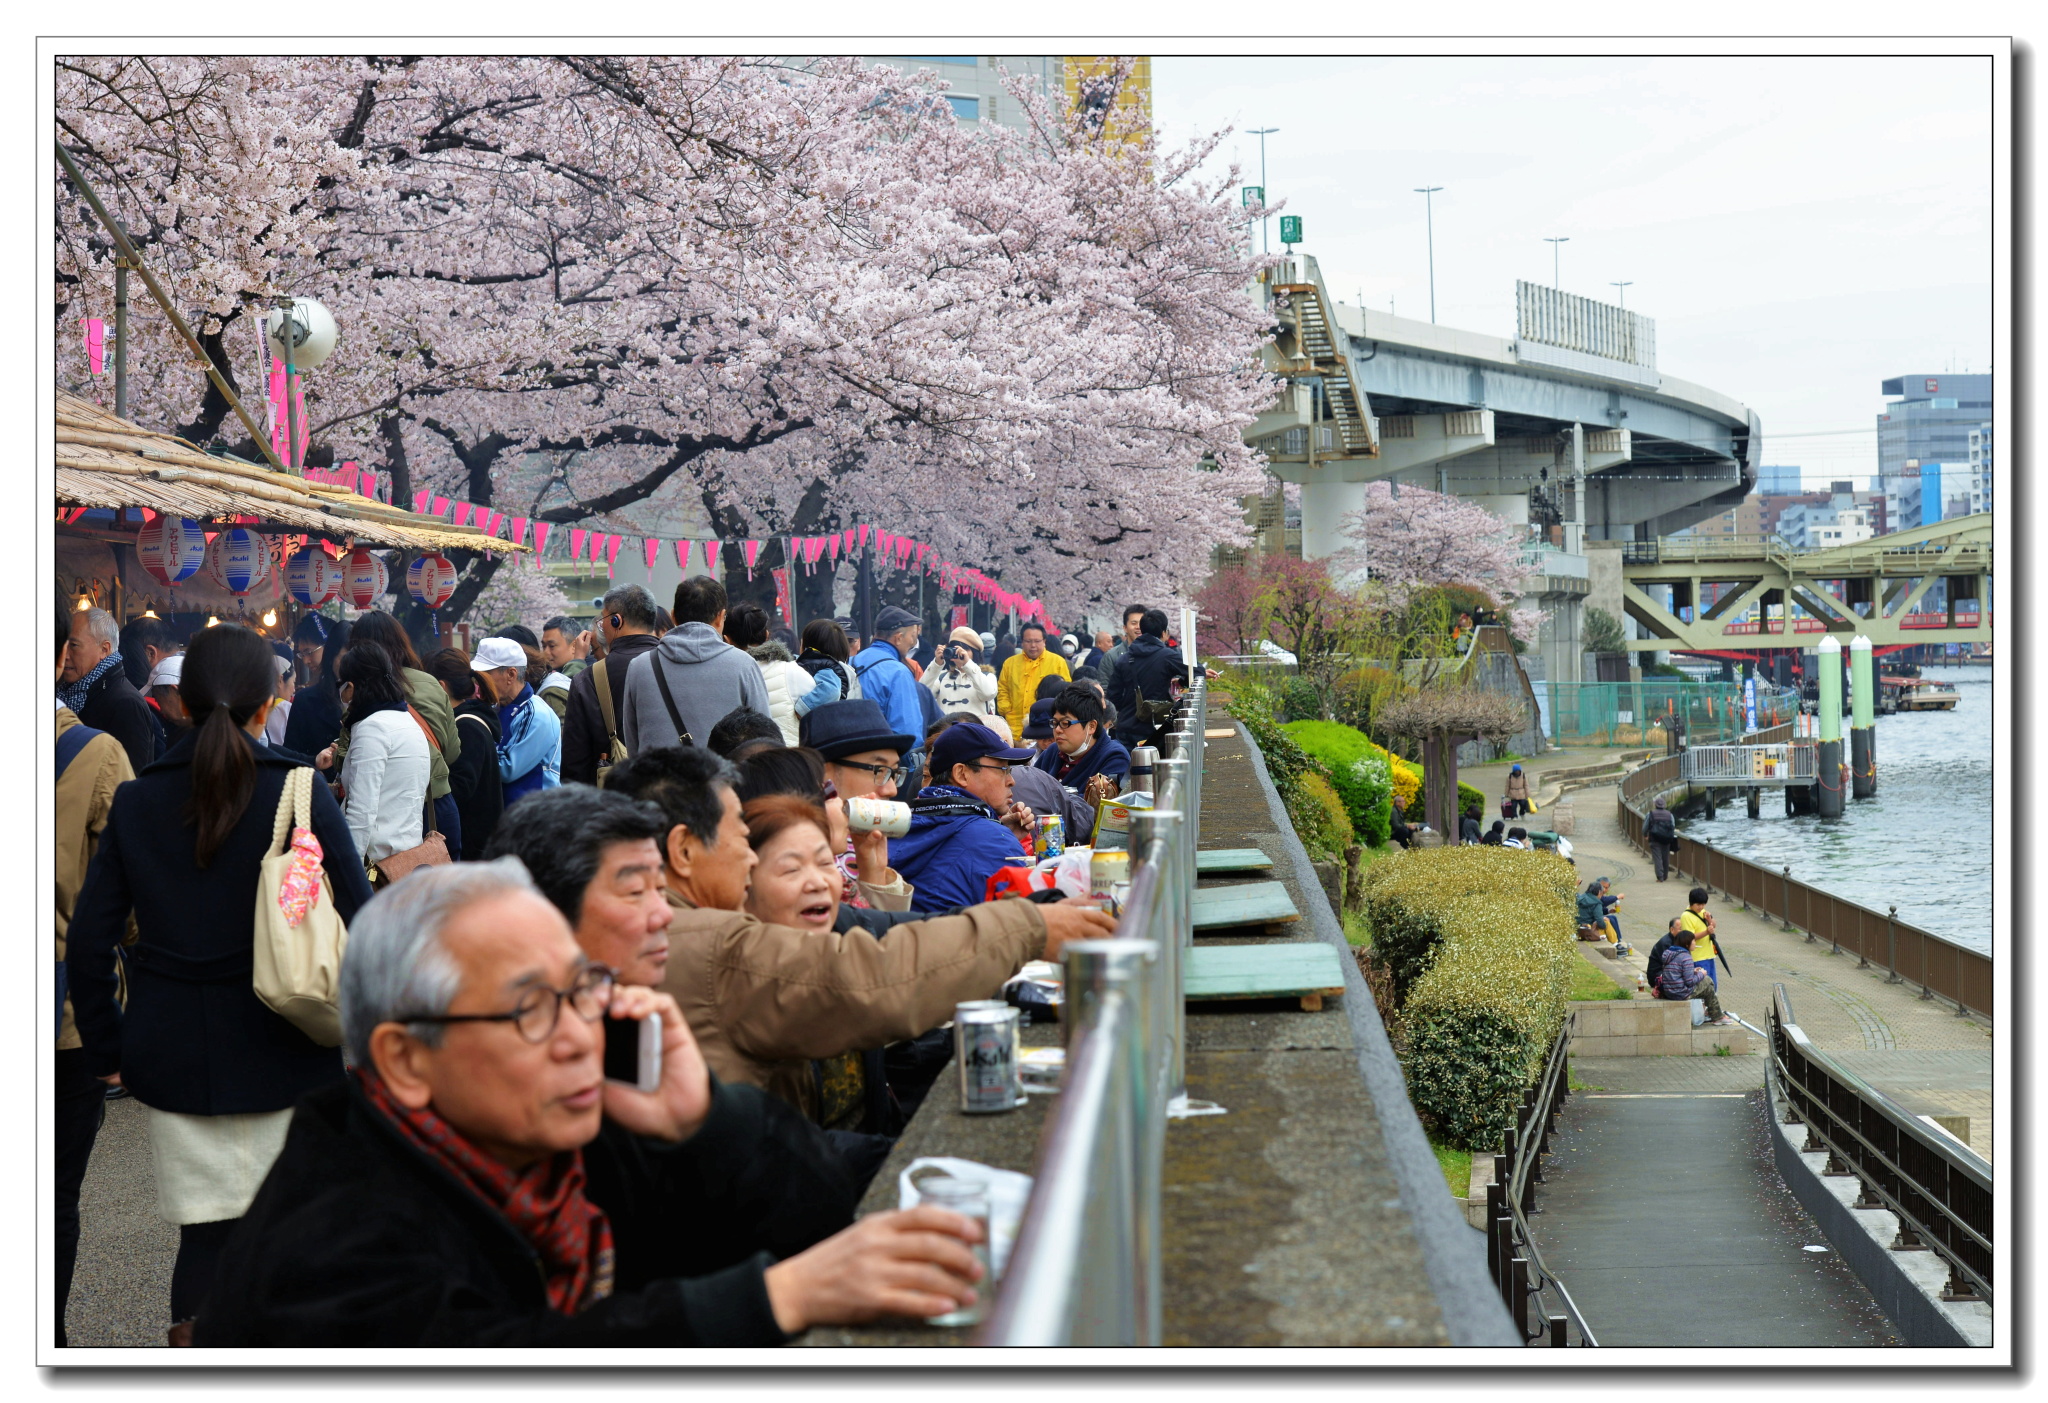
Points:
(473, 780)
(583, 738)
(315, 722)
(1145, 670)
(195, 1039)
(358, 1239)
(114, 706)
(1653, 969)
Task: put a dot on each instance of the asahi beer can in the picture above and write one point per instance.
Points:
(1052, 836)
(1107, 870)
(985, 1049)
(868, 815)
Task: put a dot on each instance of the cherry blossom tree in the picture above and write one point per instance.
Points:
(1423, 539)
(601, 290)
(1230, 607)
(519, 592)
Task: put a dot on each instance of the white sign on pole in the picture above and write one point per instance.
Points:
(1187, 636)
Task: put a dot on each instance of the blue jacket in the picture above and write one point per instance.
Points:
(194, 1038)
(886, 682)
(529, 746)
(949, 857)
(1679, 974)
(1106, 757)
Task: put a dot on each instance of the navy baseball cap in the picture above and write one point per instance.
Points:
(968, 742)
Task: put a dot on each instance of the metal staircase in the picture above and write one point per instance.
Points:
(1307, 319)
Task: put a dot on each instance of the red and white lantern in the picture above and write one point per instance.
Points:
(238, 560)
(431, 579)
(364, 578)
(171, 548)
(312, 578)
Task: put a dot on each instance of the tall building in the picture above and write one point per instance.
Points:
(1777, 481)
(1930, 423)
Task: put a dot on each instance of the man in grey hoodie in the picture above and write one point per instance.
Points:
(692, 679)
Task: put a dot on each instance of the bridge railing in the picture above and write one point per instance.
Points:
(1783, 763)
(1086, 1267)
(1938, 1187)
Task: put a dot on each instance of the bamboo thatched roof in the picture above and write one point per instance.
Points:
(103, 461)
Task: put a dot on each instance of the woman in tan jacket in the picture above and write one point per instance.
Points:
(1518, 791)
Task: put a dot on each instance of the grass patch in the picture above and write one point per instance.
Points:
(1357, 931)
(1456, 1165)
(1573, 1083)
(1590, 983)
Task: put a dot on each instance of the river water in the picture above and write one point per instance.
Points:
(1924, 841)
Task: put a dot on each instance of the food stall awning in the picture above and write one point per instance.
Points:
(103, 461)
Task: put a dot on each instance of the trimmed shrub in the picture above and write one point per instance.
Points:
(1286, 762)
(1338, 749)
(1407, 784)
(1372, 782)
(1470, 798)
(1295, 699)
(1479, 942)
(1319, 818)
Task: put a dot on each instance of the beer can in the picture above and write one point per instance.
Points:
(1108, 869)
(985, 1049)
(1051, 839)
(868, 814)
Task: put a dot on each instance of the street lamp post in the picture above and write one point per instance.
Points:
(1265, 242)
(1554, 286)
(1429, 223)
(1622, 292)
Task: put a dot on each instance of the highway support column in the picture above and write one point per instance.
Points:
(1827, 789)
(1862, 721)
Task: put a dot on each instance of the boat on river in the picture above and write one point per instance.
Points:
(1918, 694)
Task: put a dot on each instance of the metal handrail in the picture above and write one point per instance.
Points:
(1510, 1199)
(1941, 1191)
(1783, 763)
(1086, 1267)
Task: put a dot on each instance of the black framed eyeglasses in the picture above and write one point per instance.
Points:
(898, 775)
(540, 1007)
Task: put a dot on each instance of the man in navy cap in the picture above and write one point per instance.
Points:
(884, 677)
(966, 825)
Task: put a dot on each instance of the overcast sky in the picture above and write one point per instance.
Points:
(1800, 228)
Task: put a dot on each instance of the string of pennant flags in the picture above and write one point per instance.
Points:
(894, 549)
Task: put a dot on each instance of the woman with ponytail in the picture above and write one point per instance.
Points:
(216, 1071)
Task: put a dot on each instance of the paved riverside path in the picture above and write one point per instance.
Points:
(1601, 1216)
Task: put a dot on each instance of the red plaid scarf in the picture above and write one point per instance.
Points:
(545, 1201)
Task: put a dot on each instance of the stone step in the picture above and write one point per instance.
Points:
(1650, 1028)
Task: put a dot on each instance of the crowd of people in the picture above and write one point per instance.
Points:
(649, 817)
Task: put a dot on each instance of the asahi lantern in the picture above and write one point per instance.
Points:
(238, 560)
(171, 548)
(431, 579)
(364, 578)
(312, 578)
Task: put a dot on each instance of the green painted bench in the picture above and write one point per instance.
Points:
(1309, 971)
(1232, 860)
(1244, 904)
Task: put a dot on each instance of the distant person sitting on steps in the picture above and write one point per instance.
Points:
(1673, 936)
(1682, 979)
(1494, 838)
(1468, 827)
(1517, 838)
(1399, 829)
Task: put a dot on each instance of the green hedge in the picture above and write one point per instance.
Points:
(1480, 943)
(1319, 817)
(1358, 770)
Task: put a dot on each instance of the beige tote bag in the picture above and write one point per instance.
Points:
(298, 964)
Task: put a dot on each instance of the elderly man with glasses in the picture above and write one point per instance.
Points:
(478, 1181)
(966, 825)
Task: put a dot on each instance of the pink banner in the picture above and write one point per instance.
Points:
(518, 529)
(863, 537)
(462, 511)
(885, 544)
(95, 344)
(611, 549)
(832, 547)
(576, 540)
(540, 535)
(440, 506)
(683, 556)
(653, 548)
(419, 501)
(750, 551)
(847, 543)
(711, 558)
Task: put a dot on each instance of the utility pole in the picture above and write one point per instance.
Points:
(1622, 292)
(120, 337)
(1429, 223)
(1554, 286)
(1265, 242)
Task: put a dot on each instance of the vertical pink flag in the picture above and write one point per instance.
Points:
(611, 551)
(419, 501)
(884, 544)
(349, 476)
(440, 506)
(653, 548)
(683, 556)
(576, 540)
(540, 535)
(95, 344)
(518, 529)
(832, 547)
(847, 544)
(711, 558)
(462, 511)
(299, 407)
(750, 551)
(277, 424)
(863, 537)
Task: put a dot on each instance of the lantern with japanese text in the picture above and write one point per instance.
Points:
(312, 578)
(431, 579)
(171, 548)
(238, 560)
(364, 578)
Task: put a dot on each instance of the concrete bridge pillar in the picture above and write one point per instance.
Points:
(1324, 506)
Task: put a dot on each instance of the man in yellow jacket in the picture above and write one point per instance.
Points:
(1017, 686)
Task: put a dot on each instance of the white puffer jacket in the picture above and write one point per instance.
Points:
(785, 681)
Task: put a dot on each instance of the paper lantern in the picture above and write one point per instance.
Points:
(364, 578)
(171, 548)
(238, 560)
(312, 578)
(431, 579)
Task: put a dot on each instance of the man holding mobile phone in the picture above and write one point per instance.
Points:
(957, 680)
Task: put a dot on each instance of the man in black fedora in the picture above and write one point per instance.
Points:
(863, 753)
